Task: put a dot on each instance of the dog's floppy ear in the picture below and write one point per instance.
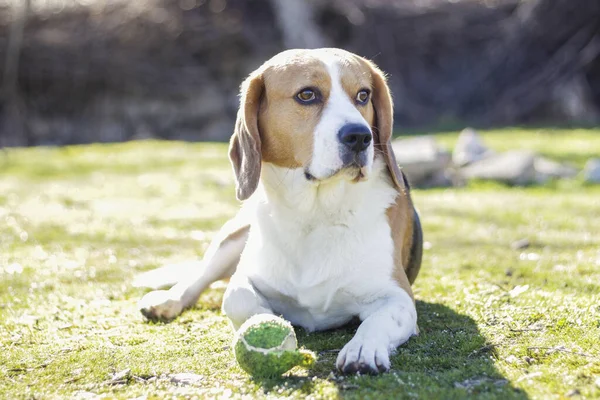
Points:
(384, 124)
(245, 144)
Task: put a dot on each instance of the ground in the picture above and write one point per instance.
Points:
(78, 223)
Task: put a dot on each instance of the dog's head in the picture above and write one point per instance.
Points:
(326, 111)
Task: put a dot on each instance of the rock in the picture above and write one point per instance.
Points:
(423, 161)
(591, 171)
(186, 378)
(441, 178)
(548, 169)
(515, 167)
(469, 148)
(83, 395)
(469, 384)
(511, 359)
(520, 244)
(120, 378)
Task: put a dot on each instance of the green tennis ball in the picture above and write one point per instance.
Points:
(265, 346)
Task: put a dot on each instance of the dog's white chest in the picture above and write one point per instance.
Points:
(317, 267)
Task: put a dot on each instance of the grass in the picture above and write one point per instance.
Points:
(78, 223)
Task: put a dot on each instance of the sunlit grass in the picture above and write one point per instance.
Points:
(78, 223)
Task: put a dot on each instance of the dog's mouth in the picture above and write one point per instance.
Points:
(361, 175)
(354, 160)
(354, 172)
(309, 176)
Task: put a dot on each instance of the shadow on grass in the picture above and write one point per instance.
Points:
(449, 359)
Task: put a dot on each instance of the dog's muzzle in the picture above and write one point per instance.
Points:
(355, 140)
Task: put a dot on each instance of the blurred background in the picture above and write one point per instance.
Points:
(509, 293)
(81, 71)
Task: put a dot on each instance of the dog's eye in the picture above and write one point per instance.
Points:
(306, 95)
(362, 96)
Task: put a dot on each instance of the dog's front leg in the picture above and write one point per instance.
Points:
(387, 323)
(242, 300)
(220, 262)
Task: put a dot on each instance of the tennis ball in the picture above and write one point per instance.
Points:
(265, 346)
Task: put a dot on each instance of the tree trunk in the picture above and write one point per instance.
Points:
(12, 128)
(296, 20)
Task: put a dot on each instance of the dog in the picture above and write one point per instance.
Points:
(327, 231)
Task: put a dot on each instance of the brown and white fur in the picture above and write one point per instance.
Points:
(327, 232)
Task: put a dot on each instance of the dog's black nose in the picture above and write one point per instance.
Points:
(356, 137)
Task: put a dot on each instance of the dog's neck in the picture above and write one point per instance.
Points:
(287, 191)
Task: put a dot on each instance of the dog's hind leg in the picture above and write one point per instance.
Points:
(220, 262)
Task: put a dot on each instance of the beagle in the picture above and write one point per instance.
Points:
(327, 230)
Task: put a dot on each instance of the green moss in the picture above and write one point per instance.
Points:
(267, 333)
(265, 346)
(270, 365)
(82, 221)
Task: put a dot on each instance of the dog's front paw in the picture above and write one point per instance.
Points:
(363, 355)
(160, 305)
